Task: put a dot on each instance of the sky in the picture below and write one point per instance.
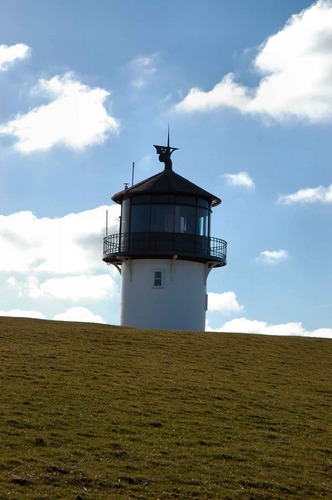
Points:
(245, 87)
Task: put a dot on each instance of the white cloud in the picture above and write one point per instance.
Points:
(295, 66)
(68, 245)
(46, 263)
(10, 54)
(321, 332)
(244, 325)
(81, 314)
(242, 179)
(142, 69)
(273, 256)
(225, 303)
(75, 117)
(318, 194)
(226, 93)
(21, 313)
(94, 287)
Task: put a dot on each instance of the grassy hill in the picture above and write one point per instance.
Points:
(100, 412)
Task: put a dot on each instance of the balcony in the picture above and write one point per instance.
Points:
(164, 245)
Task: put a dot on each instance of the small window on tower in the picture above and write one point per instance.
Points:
(158, 278)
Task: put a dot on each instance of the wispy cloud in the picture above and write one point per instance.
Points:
(273, 256)
(13, 53)
(75, 117)
(320, 194)
(224, 303)
(295, 66)
(241, 179)
(142, 69)
(244, 325)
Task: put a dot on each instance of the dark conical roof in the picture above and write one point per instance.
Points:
(166, 182)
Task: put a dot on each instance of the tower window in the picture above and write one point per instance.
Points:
(158, 278)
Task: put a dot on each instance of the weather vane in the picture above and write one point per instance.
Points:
(165, 152)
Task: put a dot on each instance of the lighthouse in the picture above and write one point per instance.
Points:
(164, 250)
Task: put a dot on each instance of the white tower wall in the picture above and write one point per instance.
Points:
(178, 304)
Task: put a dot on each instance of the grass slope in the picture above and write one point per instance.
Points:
(100, 412)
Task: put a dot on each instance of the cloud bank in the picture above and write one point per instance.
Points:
(66, 245)
(244, 325)
(295, 67)
(81, 314)
(55, 263)
(21, 313)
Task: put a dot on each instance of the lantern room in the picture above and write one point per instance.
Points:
(165, 215)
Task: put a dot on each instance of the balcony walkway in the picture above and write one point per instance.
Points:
(165, 245)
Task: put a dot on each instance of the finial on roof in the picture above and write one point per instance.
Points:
(165, 152)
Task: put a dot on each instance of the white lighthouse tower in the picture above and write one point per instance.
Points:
(164, 250)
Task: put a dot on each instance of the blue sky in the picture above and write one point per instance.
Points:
(88, 87)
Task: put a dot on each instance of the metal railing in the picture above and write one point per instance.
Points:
(161, 243)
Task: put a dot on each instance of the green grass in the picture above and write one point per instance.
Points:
(101, 412)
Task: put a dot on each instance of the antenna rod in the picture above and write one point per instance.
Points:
(132, 174)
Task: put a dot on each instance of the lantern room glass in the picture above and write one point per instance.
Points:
(167, 213)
